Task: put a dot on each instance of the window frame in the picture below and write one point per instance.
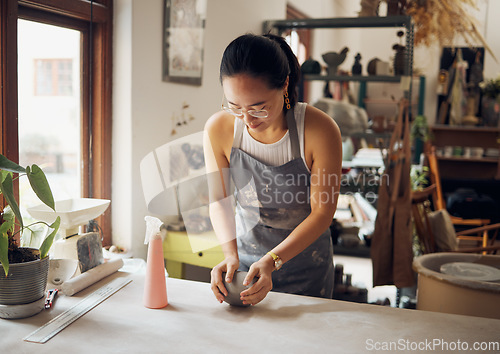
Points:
(305, 37)
(96, 120)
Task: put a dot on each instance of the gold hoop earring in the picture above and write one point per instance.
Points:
(287, 100)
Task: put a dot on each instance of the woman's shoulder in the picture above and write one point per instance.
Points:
(220, 129)
(220, 123)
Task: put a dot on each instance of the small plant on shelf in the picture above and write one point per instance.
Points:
(420, 128)
(491, 88)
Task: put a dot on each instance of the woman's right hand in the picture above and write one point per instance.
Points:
(229, 265)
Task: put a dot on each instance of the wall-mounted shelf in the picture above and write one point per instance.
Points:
(279, 26)
(460, 159)
(362, 78)
(340, 22)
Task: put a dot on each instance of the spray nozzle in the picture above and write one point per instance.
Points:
(154, 228)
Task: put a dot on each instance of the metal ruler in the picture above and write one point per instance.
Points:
(57, 324)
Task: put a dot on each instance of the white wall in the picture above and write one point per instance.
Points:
(492, 34)
(143, 104)
(122, 190)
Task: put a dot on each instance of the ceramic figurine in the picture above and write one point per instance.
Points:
(334, 59)
(369, 8)
(357, 67)
(396, 7)
(399, 64)
(372, 66)
(311, 66)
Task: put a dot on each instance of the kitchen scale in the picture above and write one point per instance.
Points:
(70, 243)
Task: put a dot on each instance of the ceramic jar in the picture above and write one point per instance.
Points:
(490, 111)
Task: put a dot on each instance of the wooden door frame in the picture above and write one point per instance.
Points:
(305, 36)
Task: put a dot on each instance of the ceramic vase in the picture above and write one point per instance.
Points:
(490, 111)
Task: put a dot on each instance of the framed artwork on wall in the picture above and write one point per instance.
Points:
(184, 24)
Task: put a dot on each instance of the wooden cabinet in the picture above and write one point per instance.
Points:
(202, 250)
(452, 141)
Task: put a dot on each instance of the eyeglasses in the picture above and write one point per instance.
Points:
(238, 112)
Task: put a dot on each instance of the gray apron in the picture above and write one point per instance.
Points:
(270, 202)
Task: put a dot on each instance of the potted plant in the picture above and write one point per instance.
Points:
(490, 105)
(419, 133)
(24, 271)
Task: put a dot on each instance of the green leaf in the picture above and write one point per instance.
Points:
(4, 250)
(7, 165)
(6, 225)
(3, 174)
(40, 185)
(8, 215)
(47, 243)
(8, 192)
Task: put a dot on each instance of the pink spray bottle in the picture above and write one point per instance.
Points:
(155, 286)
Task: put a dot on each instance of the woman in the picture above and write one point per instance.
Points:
(285, 160)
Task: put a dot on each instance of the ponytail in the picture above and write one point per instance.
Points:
(268, 57)
(293, 66)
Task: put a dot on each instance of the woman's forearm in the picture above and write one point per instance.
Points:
(223, 223)
(303, 235)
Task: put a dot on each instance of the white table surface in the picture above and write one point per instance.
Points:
(194, 322)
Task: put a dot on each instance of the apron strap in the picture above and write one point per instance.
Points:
(294, 135)
(292, 131)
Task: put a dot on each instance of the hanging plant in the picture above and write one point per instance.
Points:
(442, 20)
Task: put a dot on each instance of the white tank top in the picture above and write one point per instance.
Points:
(277, 153)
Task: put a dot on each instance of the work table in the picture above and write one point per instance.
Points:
(194, 322)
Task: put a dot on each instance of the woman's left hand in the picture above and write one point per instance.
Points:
(262, 270)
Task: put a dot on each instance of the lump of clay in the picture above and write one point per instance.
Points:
(235, 287)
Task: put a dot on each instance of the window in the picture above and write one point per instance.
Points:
(79, 126)
(49, 128)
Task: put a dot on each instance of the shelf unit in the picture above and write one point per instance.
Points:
(279, 26)
(467, 167)
(340, 22)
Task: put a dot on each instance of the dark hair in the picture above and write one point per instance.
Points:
(267, 56)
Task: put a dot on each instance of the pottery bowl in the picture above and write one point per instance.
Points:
(235, 287)
(61, 270)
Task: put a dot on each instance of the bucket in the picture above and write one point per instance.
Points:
(448, 293)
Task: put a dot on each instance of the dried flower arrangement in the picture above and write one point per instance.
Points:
(442, 20)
